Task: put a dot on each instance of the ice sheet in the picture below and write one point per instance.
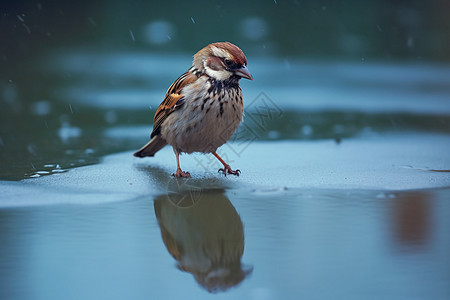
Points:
(386, 163)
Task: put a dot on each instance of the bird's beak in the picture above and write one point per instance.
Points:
(244, 73)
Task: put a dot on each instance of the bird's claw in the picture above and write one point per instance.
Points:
(227, 170)
(180, 173)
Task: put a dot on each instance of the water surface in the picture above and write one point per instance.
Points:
(296, 244)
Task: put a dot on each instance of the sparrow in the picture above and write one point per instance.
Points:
(203, 108)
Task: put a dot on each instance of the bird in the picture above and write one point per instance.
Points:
(203, 107)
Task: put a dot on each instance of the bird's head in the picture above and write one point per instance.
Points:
(222, 61)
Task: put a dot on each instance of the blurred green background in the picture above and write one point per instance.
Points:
(383, 30)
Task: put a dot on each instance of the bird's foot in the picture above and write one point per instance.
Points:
(180, 173)
(227, 170)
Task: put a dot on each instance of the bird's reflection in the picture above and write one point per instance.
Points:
(203, 232)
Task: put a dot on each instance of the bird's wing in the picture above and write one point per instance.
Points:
(172, 101)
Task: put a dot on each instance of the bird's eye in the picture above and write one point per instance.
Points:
(229, 62)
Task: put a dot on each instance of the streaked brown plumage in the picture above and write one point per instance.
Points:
(203, 107)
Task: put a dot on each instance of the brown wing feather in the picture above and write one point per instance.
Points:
(173, 95)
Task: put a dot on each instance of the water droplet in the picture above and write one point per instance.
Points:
(26, 28)
(111, 117)
(91, 20)
(158, 32)
(31, 149)
(307, 130)
(254, 28)
(287, 64)
(410, 42)
(132, 35)
(67, 132)
(273, 134)
(41, 108)
(339, 129)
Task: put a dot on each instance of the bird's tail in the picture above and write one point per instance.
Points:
(155, 144)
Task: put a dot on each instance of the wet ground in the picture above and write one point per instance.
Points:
(343, 193)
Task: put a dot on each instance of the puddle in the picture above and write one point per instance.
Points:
(231, 243)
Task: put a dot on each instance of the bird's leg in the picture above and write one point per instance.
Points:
(179, 172)
(226, 167)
